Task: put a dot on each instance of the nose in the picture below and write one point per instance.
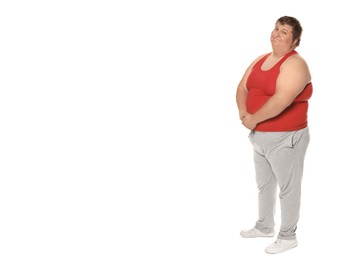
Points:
(276, 35)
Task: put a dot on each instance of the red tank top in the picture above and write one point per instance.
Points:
(261, 86)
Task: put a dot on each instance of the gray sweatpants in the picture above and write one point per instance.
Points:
(279, 159)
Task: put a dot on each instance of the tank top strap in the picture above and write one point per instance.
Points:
(285, 57)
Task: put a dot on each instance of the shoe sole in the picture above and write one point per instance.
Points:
(293, 246)
(265, 235)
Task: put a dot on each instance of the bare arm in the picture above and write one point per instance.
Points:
(241, 93)
(293, 78)
(241, 96)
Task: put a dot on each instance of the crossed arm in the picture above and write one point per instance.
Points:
(293, 78)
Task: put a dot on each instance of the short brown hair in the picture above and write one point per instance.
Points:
(296, 27)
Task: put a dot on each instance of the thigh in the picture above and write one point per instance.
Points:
(264, 173)
(287, 157)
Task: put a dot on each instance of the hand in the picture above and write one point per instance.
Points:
(243, 114)
(249, 121)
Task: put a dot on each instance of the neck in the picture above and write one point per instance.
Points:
(280, 53)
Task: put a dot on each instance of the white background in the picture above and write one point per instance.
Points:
(120, 136)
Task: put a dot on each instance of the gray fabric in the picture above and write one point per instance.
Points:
(279, 159)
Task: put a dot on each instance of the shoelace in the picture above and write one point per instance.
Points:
(278, 242)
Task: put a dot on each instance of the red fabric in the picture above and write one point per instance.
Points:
(261, 86)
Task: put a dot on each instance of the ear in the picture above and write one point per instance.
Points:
(294, 43)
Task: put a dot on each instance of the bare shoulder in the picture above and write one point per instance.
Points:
(243, 82)
(296, 61)
(296, 64)
(255, 61)
(258, 59)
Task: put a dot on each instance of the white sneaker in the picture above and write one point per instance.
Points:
(254, 232)
(281, 245)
